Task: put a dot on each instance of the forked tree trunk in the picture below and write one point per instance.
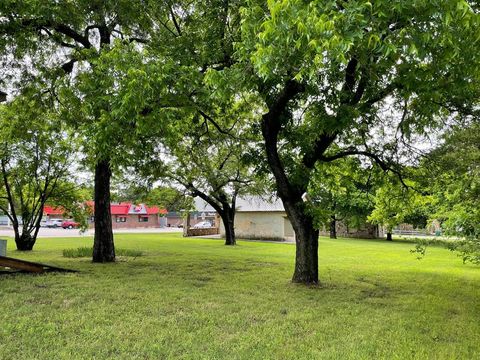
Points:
(306, 236)
(228, 218)
(389, 236)
(333, 227)
(224, 208)
(103, 247)
(27, 237)
(24, 241)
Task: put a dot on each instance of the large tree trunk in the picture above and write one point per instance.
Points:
(228, 218)
(103, 247)
(306, 238)
(389, 236)
(333, 227)
(24, 241)
(306, 256)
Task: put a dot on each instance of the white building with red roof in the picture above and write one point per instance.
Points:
(124, 215)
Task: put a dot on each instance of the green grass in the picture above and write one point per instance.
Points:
(198, 299)
(87, 251)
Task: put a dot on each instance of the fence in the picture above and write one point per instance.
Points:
(417, 232)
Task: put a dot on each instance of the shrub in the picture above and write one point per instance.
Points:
(88, 252)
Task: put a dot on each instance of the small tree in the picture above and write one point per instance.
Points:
(454, 172)
(211, 165)
(344, 192)
(36, 160)
(396, 203)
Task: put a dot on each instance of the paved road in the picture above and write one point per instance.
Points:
(49, 232)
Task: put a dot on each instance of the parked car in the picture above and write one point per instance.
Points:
(70, 224)
(54, 223)
(203, 225)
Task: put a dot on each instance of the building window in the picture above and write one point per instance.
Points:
(143, 219)
(121, 219)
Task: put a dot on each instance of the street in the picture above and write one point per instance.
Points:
(59, 232)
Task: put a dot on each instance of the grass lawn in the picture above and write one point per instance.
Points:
(197, 299)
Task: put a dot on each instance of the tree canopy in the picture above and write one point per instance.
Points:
(36, 158)
(333, 88)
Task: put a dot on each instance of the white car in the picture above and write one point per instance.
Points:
(54, 223)
(202, 225)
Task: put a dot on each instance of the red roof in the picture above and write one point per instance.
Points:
(123, 208)
(120, 209)
(51, 210)
(155, 210)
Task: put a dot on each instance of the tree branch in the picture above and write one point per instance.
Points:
(271, 126)
(175, 23)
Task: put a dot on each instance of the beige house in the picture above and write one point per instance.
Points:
(256, 218)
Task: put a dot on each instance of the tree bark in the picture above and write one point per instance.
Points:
(24, 241)
(389, 236)
(103, 246)
(306, 257)
(186, 224)
(306, 238)
(222, 206)
(228, 218)
(333, 227)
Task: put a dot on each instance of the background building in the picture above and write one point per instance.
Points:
(128, 215)
(257, 218)
(124, 215)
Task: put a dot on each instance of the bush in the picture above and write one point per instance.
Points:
(88, 252)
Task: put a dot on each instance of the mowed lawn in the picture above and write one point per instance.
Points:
(197, 299)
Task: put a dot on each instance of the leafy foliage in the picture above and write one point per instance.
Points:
(454, 170)
(163, 196)
(342, 191)
(396, 204)
(36, 159)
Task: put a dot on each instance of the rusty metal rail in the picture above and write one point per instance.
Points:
(15, 265)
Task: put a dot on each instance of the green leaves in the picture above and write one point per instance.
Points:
(455, 167)
(343, 189)
(36, 159)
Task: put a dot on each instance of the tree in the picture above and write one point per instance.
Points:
(342, 191)
(216, 171)
(327, 77)
(169, 198)
(209, 164)
(36, 160)
(334, 74)
(395, 203)
(71, 47)
(453, 173)
(206, 136)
